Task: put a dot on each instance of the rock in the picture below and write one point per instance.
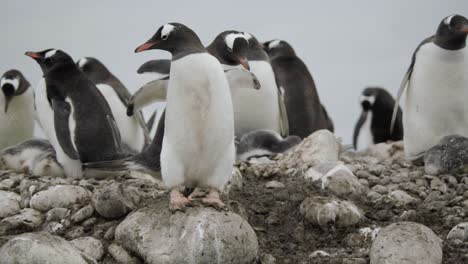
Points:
(82, 214)
(10, 203)
(120, 255)
(402, 198)
(320, 147)
(384, 151)
(380, 189)
(27, 220)
(59, 196)
(342, 182)
(460, 232)
(267, 259)
(90, 246)
(41, 248)
(115, 201)
(406, 243)
(57, 214)
(274, 185)
(326, 211)
(157, 235)
(451, 153)
(319, 253)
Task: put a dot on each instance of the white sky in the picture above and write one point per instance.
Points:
(347, 45)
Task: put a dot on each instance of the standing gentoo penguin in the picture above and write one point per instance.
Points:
(262, 109)
(305, 112)
(437, 82)
(377, 106)
(16, 109)
(132, 129)
(84, 127)
(198, 145)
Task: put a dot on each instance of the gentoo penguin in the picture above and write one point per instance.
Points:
(34, 156)
(305, 112)
(85, 129)
(377, 106)
(437, 88)
(264, 143)
(132, 129)
(262, 109)
(16, 109)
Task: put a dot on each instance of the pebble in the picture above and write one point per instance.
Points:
(82, 214)
(63, 196)
(120, 255)
(26, 220)
(89, 246)
(274, 185)
(9, 203)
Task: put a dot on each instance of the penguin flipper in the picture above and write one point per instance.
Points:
(115, 132)
(154, 91)
(284, 122)
(241, 78)
(62, 112)
(152, 120)
(162, 67)
(357, 128)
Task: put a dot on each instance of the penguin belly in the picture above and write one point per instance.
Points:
(257, 109)
(17, 124)
(45, 116)
(435, 99)
(131, 132)
(198, 146)
(365, 138)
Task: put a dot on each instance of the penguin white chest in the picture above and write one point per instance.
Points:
(198, 145)
(435, 98)
(257, 109)
(366, 138)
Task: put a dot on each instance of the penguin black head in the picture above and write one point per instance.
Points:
(368, 98)
(50, 59)
(278, 48)
(13, 84)
(94, 69)
(230, 48)
(452, 33)
(256, 51)
(172, 37)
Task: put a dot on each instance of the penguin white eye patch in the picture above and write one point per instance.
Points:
(82, 62)
(231, 38)
(273, 44)
(50, 53)
(14, 82)
(370, 99)
(166, 30)
(448, 20)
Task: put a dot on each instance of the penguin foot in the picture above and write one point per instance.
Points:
(197, 193)
(178, 201)
(213, 200)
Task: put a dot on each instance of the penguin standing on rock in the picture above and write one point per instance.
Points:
(373, 124)
(84, 126)
(436, 89)
(16, 109)
(305, 112)
(132, 129)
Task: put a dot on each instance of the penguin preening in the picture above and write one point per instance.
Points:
(261, 143)
(305, 112)
(436, 88)
(373, 124)
(16, 109)
(133, 130)
(85, 130)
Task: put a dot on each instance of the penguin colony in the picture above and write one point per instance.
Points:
(234, 99)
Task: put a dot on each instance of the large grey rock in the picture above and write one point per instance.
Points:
(449, 154)
(327, 211)
(406, 243)
(90, 246)
(27, 220)
(41, 248)
(340, 181)
(199, 235)
(63, 196)
(115, 200)
(9, 203)
(460, 232)
(402, 198)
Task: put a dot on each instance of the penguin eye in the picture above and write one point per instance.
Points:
(164, 37)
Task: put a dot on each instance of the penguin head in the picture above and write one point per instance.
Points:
(171, 37)
(230, 48)
(368, 98)
(278, 48)
(94, 69)
(50, 59)
(452, 32)
(255, 51)
(12, 84)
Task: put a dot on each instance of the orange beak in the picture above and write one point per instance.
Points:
(244, 63)
(464, 29)
(145, 46)
(33, 55)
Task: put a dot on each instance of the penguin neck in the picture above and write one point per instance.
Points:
(450, 42)
(193, 45)
(61, 72)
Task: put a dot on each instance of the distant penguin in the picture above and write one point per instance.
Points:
(33, 156)
(373, 125)
(264, 143)
(132, 129)
(305, 112)
(16, 109)
(437, 88)
(85, 129)
(264, 109)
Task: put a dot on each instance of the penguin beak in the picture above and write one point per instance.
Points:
(465, 28)
(146, 46)
(9, 93)
(244, 63)
(7, 102)
(33, 55)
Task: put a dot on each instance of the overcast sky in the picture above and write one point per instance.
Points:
(347, 45)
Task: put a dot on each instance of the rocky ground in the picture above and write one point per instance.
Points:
(316, 204)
